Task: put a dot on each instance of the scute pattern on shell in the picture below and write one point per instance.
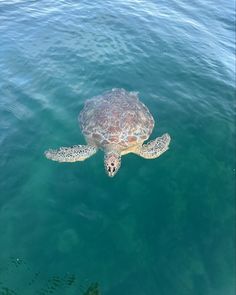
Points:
(116, 117)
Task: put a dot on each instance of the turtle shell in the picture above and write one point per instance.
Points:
(116, 117)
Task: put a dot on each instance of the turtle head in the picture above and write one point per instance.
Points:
(112, 162)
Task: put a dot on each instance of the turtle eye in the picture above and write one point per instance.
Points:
(114, 169)
(109, 169)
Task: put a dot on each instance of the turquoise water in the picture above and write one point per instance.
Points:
(159, 227)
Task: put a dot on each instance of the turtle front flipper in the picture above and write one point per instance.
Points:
(153, 149)
(71, 154)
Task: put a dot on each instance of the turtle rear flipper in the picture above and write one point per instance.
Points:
(71, 154)
(153, 149)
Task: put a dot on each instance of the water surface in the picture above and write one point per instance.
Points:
(164, 226)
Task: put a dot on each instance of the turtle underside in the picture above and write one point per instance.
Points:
(116, 118)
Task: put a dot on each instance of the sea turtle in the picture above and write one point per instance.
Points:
(118, 123)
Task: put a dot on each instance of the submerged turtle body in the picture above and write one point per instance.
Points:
(116, 119)
(118, 123)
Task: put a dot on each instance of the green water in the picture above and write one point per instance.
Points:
(159, 227)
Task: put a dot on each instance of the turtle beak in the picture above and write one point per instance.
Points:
(111, 171)
(112, 163)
